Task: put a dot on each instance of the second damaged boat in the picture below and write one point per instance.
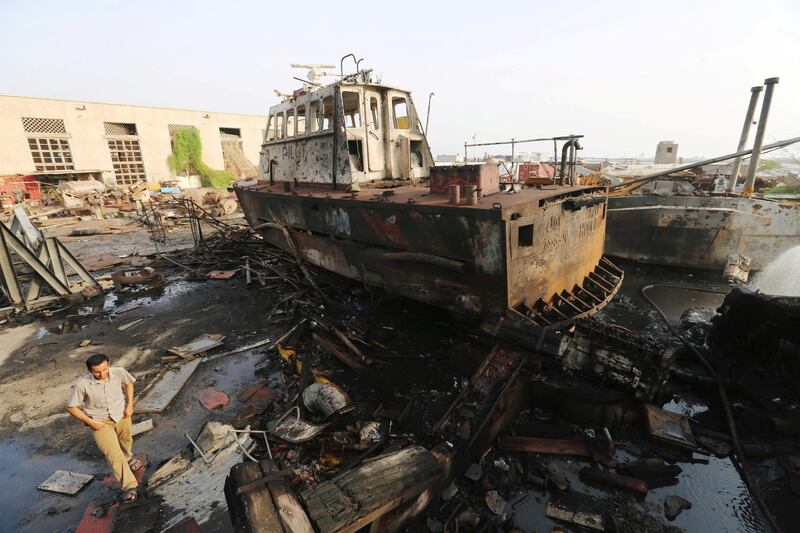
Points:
(347, 182)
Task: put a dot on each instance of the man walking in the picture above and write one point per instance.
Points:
(98, 401)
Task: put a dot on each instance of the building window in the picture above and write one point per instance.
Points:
(125, 151)
(173, 128)
(126, 157)
(669, 149)
(50, 154)
(119, 129)
(43, 125)
(48, 143)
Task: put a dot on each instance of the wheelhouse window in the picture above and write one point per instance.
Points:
(327, 113)
(351, 107)
(374, 114)
(300, 126)
(279, 126)
(290, 123)
(313, 116)
(269, 133)
(400, 113)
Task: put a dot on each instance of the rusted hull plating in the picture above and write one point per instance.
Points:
(468, 260)
(700, 232)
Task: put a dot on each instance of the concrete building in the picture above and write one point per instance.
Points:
(666, 153)
(125, 143)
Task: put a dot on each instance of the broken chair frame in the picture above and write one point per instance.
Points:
(207, 459)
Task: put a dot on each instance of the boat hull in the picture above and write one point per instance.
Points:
(700, 232)
(466, 259)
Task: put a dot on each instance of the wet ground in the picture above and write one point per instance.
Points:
(41, 358)
(31, 456)
(721, 501)
(433, 361)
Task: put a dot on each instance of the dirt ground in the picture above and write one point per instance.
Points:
(41, 359)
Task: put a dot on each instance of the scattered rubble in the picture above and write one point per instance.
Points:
(462, 426)
(211, 398)
(673, 505)
(66, 482)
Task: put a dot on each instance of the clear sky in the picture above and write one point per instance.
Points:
(624, 73)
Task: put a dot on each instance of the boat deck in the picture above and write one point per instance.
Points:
(421, 195)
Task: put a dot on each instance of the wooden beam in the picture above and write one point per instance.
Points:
(360, 496)
(291, 513)
(538, 445)
(253, 511)
(343, 356)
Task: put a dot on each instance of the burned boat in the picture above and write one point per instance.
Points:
(347, 183)
(671, 222)
(664, 219)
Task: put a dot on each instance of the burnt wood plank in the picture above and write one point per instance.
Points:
(361, 495)
(290, 511)
(253, 511)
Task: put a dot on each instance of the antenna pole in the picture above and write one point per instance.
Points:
(748, 120)
(428, 114)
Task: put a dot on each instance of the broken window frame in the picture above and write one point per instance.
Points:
(375, 112)
(397, 100)
(290, 122)
(269, 133)
(279, 121)
(355, 150)
(314, 116)
(351, 110)
(300, 120)
(326, 123)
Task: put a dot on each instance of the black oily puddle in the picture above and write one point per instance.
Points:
(25, 508)
(157, 298)
(673, 291)
(720, 500)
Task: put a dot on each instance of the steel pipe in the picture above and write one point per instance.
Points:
(752, 168)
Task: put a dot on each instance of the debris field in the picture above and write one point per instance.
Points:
(275, 396)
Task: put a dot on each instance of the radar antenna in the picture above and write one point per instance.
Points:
(314, 75)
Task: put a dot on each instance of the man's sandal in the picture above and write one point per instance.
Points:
(135, 464)
(130, 495)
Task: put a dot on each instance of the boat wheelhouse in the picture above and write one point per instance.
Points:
(347, 182)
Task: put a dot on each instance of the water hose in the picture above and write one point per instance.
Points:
(762, 506)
